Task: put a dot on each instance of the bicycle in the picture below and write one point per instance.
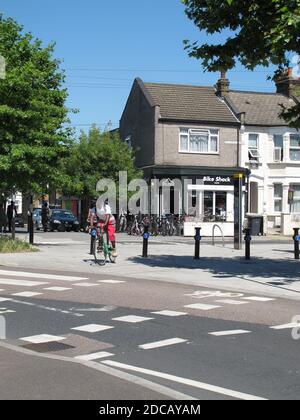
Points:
(101, 247)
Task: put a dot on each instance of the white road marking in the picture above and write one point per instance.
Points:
(259, 299)
(286, 326)
(26, 294)
(95, 356)
(4, 299)
(184, 381)
(202, 307)
(169, 313)
(111, 281)
(86, 284)
(24, 283)
(218, 294)
(132, 319)
(42, 338)
(40, 276)
(7, 312)
(231, 302)
(162, 343)
(233, 332)
(57, 289)
(93, 328)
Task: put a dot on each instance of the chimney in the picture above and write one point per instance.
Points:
(223, 85)
(287, 84)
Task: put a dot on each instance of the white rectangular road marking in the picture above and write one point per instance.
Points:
(202, 307)
(233, 332)
(258, 299)
(40, 276)
(26, 294)
(132, 319)
(57, 289)
(93, 328)
(169, 313)
(85, 284)
(95, 356)
(42, 338)
(24, 283)
(7, 312)
(4, 299)
(286, 326)
(162, 343)
(231, 302)
(111, 281)
(184, 381)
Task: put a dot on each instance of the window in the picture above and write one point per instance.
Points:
(278, 194)
(215, 206)
(295, 206)
(253, 147)
(295, 147)
(199, 141)
(278, 148)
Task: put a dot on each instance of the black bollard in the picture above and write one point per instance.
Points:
(248, 240)
(145, 241)
(197, 243)
(296, 238)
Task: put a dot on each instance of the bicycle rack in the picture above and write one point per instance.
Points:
(213, 235)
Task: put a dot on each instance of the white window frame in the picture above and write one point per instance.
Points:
(295, 199)
(254, 151)
(190, 131)
(294, 148)
(278, 148)
(278, 199)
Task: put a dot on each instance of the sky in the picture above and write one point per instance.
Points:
(105, 45)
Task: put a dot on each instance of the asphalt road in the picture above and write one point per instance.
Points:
(146, 340)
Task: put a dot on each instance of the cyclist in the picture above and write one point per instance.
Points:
(107, 221)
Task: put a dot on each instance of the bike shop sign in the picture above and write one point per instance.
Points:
(217, 180)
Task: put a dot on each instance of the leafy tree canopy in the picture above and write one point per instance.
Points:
(98, 155)
(32, 113)
(262, 33)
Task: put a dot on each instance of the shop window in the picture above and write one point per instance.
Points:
(215, 206)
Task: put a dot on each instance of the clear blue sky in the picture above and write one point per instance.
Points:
(104, 45)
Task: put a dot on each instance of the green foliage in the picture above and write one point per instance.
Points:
(32, 113)
(98, 155)
(9, 246)
(263, 33)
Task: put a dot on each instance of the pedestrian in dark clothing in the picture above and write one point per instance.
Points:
(45, 216)
(11, 213)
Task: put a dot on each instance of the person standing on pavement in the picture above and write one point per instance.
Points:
(45, 216)
(92, 216)
(3, 219)
(11, 213)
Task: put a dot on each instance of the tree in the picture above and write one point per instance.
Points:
(262, 33)
(32, 113)
(96, 156)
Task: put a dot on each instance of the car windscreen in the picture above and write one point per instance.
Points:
(63, 214)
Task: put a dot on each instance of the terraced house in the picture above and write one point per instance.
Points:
(210, 134)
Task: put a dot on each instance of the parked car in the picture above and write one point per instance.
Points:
(63, 220)
(37, 218)
(19, 221)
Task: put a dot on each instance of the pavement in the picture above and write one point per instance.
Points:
(272, 269)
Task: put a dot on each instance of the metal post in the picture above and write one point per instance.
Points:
(30, 220)
(197, 243)
(248, 240)
(296, 238)
(145, 242)
(238, 210)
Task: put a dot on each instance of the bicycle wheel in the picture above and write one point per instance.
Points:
(99, 251)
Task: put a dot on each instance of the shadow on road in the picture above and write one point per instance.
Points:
(286, 271)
